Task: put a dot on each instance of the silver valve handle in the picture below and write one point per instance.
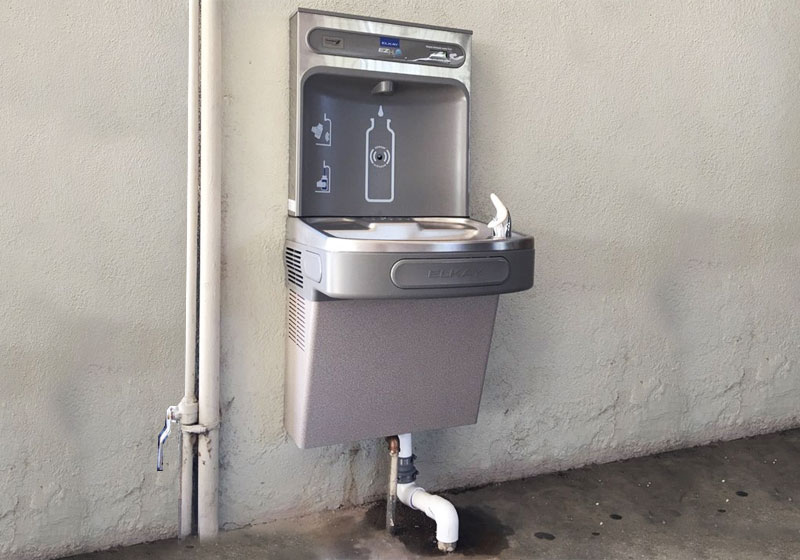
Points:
(501, 223)
(173, 415)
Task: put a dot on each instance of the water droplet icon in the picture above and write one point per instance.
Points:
(380, 111)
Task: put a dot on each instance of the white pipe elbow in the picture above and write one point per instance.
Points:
(435, 507)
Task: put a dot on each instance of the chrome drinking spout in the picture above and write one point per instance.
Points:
(501, 223)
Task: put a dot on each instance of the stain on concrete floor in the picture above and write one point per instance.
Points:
(731, 500)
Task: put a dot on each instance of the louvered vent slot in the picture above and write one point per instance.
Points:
(293, 271)
(296, 319)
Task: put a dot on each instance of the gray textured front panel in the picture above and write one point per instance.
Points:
(368, 368)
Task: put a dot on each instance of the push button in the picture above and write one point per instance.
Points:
(442, 273)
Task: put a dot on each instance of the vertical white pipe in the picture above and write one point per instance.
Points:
(406, 449)
(192, 196)
(187, 485)
(210, 246)
(192, 200)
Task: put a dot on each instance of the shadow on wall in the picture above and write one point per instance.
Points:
(88, 409)
(653, 346)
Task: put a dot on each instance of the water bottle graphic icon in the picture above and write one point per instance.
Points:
(379, 160)
(324, 182)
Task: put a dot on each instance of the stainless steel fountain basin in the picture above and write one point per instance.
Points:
(402, 229)
(398, 258)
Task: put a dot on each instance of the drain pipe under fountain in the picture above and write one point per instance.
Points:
(402, 479)
(403, 473)
(199, 415)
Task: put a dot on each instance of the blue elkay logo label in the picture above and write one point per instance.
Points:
(390, 42)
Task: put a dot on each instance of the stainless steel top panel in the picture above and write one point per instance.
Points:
(383, 20)
(306, 58)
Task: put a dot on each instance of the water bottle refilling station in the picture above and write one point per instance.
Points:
(393, 289)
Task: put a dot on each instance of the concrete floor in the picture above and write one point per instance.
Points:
(738, 499)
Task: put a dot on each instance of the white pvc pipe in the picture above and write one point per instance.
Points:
(192, 197)
(435, 507)
(192, 201)
(187, 485)
(210, 247)
(406, 448)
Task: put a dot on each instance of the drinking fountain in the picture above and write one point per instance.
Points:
(392, 287)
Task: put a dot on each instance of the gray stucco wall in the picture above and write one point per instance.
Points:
(653, 150)
(91, 240)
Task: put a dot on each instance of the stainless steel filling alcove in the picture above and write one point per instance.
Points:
(392, 287)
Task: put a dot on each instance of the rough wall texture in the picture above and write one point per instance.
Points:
(653, 150)
(92, 174)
